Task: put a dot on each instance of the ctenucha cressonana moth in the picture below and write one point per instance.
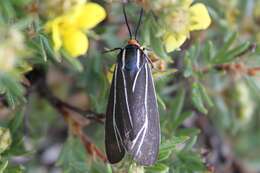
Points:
(132, 118)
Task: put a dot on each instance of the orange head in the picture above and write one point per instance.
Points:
(133, 42)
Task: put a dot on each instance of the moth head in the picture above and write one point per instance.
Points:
(133, 42)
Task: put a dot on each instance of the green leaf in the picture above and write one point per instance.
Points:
(161, 102)
(48, 48)
(173, 142)
(192, 160)
(109, 168)
(205, 95)
(188, 70)
(197, 99)
(194, 52)
(75, 63)
(134, 168)
(220, 56)
(235, 52)
(164, 154)
(188, 132)
(191, 142)
(16, 122)
(16, 128)
(158, 168)
(3, 166)
(15, 169)
(73, 157)
(209, 51)
(178, 103)
(43, 53)
(8, 10)
(156, 42)
(146, 34)
(180, 119)
(12, 89)
(168, 146)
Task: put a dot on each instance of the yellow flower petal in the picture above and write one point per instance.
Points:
(56, 35)
(200, 18)
(53, 27)
(90, 15)
(75, 42)
(173, 41)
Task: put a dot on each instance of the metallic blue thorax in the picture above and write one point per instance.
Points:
(131, 57)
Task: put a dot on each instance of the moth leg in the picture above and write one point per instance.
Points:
(112, 50)
(146, 57)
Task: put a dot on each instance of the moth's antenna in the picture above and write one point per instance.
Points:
(126, 21)
(139, 22)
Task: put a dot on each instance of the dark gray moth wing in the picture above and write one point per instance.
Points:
(151, 141)
(144, 137)
(114, 126)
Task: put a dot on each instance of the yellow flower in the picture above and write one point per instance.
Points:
(5, 139)
(68, 30)
(182, 21)
(12, 48)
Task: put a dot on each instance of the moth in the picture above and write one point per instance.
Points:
(132, 119)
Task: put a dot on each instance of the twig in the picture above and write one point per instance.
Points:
(56, 102)
(235, 68)
(73, 122)
(36, 82)
(223, 159)
(77, 129)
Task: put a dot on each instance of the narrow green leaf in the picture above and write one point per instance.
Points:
(146, 35)
(16, 128)
(75, 63)
(109, 168)
(16, 122)
(48, 47)
(235, 52)
(209, 51)
(156, 42)
(180, 119)
(205, 95)
(170, 145)
(191, 142)
(8, 9)
(14, 169)
(164, 154)
(43, 53)
(192, 161)
(134, 168)
(158, 168)
(12, 90)
(161, 102)
(229, 40)
(197, 98)
(188, 132)
(73, 156)
(220, 56)
(178, 104)
(188, 70)
(3, 166)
